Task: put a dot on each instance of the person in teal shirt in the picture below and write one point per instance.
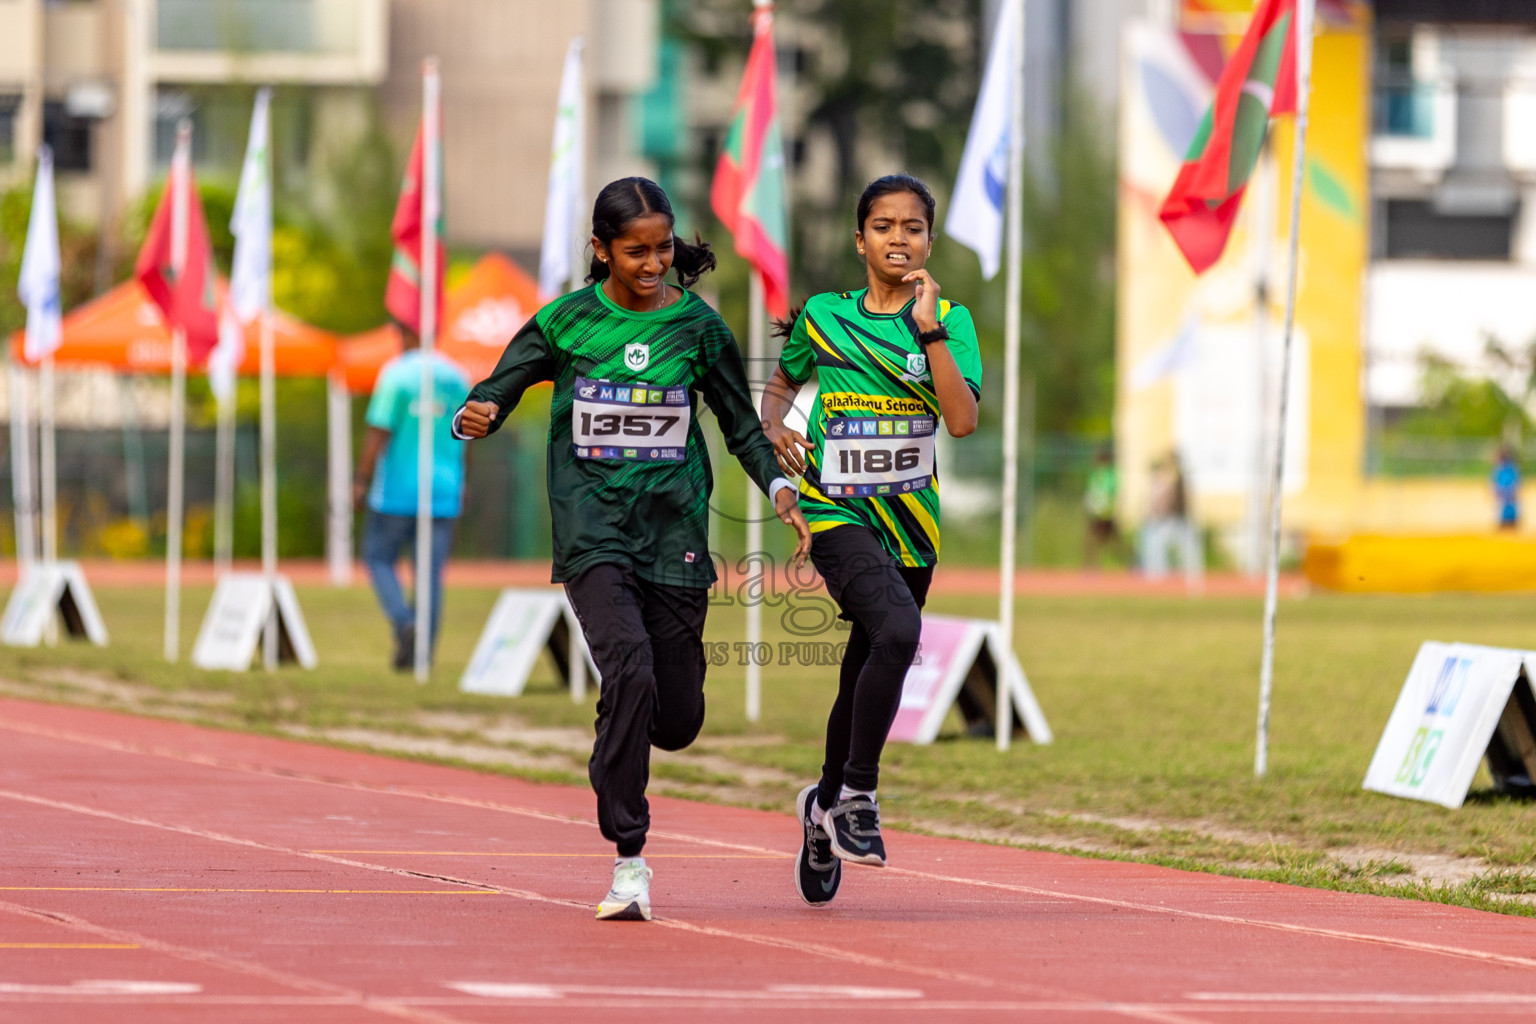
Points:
(386, 483)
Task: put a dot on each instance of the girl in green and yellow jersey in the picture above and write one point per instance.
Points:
(892, 360)
(629, 480)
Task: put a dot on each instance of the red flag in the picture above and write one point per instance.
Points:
(187, 299)
(1258, 82)
(748, 194)
(402, 297)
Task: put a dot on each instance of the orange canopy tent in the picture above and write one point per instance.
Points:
(123, 330)
(482, 312)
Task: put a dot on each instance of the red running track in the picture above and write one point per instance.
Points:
(154, 871)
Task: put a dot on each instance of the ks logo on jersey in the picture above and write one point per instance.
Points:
(917, 364)
(637, 356)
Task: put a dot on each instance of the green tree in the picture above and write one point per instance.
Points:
(1068, 273)
(1461, 407)
(902, 76)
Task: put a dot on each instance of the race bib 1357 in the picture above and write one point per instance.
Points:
(629, 421)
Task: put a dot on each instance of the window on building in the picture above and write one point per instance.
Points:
(1404, 105)
(69, 137)
(10, 104)
(1414, 230)
(171, 105)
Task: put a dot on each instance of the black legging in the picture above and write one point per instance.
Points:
(883, 599)
(647, 641)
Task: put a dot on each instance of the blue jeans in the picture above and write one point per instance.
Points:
(384, 537)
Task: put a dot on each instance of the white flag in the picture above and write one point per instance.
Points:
(38, 287)
(565, 169)
(976, 208)
(225, 358)
(250, 280)
(1171, 357)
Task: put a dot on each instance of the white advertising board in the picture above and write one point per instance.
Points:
(958, 662)
(524, 623)
(1461, 702)
(46, 589)
(231, 632)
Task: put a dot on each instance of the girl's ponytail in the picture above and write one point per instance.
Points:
(691, 260)
(784, 328)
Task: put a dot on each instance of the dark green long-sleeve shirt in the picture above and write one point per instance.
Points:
(625, 495)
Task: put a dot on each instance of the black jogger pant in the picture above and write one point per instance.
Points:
(883, 599)
(647, 641)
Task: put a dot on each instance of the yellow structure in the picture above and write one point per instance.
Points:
(1191, 379)
(1411, 564)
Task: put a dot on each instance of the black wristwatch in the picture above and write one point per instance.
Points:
(939, 333)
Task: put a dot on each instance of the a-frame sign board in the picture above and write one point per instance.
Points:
(1460, 704)
(231, 634)
(958, 664)
(46, 589)
(524, 623)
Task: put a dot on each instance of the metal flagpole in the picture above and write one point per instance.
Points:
(579, 223)
(176, 484)
(224, 488)
(1262, 204)
(425, 413)
(50, 467)
(1011, 329)
(757, 324)
(50, 481)
(269, 478)
(23, 493)
(338, 421)
(1304, 17)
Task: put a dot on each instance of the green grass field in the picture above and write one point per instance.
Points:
(1152, 701)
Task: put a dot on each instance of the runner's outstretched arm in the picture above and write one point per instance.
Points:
(725, 390)
(526, 361)
(778, 398)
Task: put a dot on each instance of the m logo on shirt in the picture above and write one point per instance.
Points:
(637, 356)
(917, 364)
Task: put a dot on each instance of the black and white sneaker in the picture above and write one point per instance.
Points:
(853, 831)
(817, 873)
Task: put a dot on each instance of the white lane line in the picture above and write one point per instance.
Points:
(506, 990)
(336, 993)
(102, 987)
(927, 1009)
(807, 948)
(845, 991)
(1383, 998)
(524, 990)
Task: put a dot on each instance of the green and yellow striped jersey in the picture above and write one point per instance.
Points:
(875, 419)
(628, 472)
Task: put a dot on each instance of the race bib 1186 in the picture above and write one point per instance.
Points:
(629, 421)
(870, 456)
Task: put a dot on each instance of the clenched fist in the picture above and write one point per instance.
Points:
(477, 418)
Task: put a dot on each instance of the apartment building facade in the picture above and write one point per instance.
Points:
(1453, 195)
(104, 81)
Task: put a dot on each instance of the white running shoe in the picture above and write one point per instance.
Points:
(630, 897)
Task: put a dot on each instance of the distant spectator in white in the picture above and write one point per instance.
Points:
(1168, 526)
